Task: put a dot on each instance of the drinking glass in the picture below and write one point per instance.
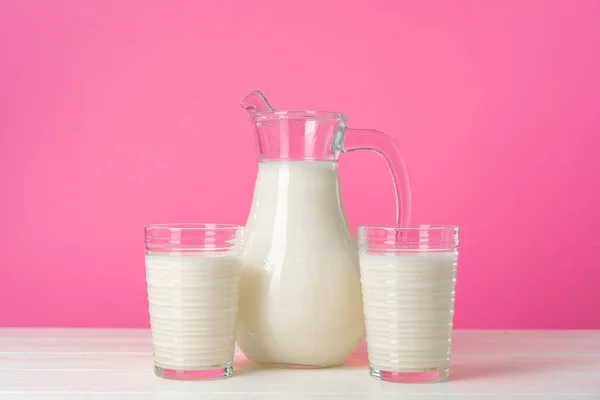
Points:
(192, 273)
(408, 276)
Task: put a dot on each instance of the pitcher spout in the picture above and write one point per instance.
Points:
(255, 102)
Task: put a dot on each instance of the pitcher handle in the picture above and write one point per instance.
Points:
(382, 144)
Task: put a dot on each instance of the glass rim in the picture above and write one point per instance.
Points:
(297, 114)
(420, 227)
(192, 226)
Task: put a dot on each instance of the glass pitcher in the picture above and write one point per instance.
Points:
(300, 293)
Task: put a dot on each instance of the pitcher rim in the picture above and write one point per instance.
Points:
(297, 114)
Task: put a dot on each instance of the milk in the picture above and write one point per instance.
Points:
(193, 303)
(300, 301)
(409, 305)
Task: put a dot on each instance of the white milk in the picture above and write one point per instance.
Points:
(409, 305)
(193, 303)
(300, 299)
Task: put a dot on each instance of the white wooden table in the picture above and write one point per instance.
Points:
(96, 364)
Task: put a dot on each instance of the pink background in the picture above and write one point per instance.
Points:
(115, 114)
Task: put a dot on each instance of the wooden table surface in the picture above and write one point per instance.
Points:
(94, 364)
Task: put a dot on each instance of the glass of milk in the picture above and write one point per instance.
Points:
(408, 276)
(192, 273)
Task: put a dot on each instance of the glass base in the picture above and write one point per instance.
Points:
(432, 376)
(193, 374)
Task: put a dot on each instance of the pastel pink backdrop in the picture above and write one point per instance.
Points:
(115, 114)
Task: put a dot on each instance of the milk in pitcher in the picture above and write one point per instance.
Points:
(300, 301)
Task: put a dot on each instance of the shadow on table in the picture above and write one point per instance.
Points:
(477, 368)
(490, 368)
(247, 367)
(357, 360)
(517, 367)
